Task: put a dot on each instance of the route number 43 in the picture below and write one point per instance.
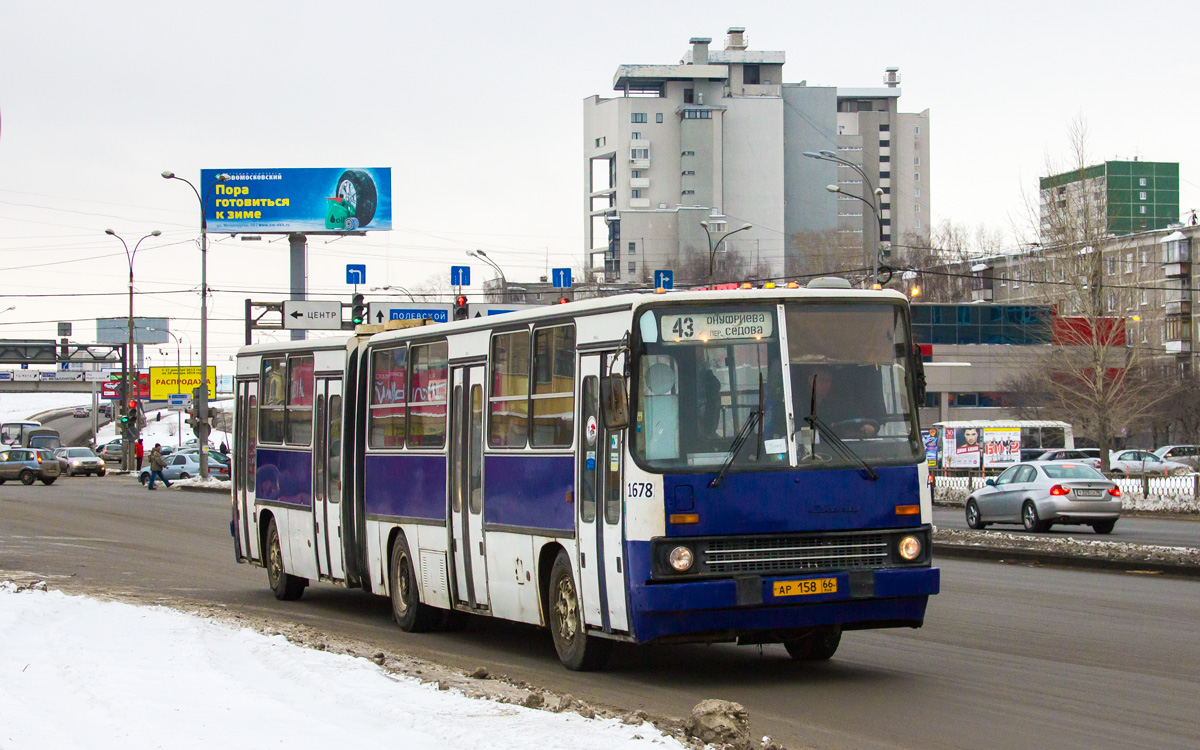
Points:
(639, 489)
(683, 328)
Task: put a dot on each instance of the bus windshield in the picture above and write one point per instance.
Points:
(702, 372)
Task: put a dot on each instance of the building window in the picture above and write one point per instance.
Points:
(916, 208)
(1141, 182)
(658, 117)
(750, 75)
(885, 206)
(885, 143)
(916, 161)
(916, 192)
(689, 172)
(636, 193)
(689, 192)
(918, 224)
(601, 141)
(689, 96)
(688, 153)
(884, 128)
(637, 117)
(639, 153)
(697, 114)
(635, 173)
(884, 159)
(1112, 265)
(632, 248)
(1141, 209)
(885, 175)
(1142, 195)
(916, 176)
(1129, 263)
(632, 267)
(635, 135)
(916, 130)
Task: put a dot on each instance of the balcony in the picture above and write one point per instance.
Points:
(639, 163)
(1178, 307)
(639, 182)
(1178, 347)
(981, 295)
(639, 203)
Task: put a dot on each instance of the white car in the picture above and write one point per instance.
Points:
(1138, 462)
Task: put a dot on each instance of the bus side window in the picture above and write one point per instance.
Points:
(660, 422)
(274, 397)
(591, 451)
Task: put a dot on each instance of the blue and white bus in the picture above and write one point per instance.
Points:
(706, 466)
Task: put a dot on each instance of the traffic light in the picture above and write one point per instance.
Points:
(563, 300)
(358, 310)
(460, 308)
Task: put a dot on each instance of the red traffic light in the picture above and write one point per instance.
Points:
(563, 300)
(132, 403)
(460, 300)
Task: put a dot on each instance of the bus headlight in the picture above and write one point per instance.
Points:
(680, 558)
(909, 548)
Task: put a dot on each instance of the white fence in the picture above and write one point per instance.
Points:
(1180, 494)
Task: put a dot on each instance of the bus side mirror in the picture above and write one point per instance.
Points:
(918, 365)
(614, 405)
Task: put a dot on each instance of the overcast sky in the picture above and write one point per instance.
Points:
(477, 108)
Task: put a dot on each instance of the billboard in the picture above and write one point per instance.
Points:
(145, 330)
(961, 447)
(112, 388)
(1001, 447)
(167, 380)
(298, 200)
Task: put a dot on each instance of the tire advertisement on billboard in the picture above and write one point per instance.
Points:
(310, 200)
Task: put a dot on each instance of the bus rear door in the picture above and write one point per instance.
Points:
(327, 478)
(244, 464)
(466, 487)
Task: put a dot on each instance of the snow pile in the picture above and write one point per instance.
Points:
(212, 483)
(79, 672)
(1094, 548)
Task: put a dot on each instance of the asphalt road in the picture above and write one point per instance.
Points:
(1011, 656)
(1135, 530)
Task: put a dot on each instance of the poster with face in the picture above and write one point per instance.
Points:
(1001, 446)
(962, 447)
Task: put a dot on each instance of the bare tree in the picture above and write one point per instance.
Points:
(1092, 376)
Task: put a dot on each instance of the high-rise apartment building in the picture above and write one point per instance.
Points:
(1130, 196)
(719, 138)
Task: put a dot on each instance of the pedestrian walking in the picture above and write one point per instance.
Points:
(157, 464)
(139, 452)
(224, 448)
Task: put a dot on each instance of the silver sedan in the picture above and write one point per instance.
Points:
(1039, 494)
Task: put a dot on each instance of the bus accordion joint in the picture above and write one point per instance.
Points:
(908, 510)
(683, 518)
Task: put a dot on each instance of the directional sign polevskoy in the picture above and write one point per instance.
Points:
(460, 276)
(356, 273)
(664, 279)
(381, 312)
(309, 315)
(561, 278)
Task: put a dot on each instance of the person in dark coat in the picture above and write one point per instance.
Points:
(157, 464)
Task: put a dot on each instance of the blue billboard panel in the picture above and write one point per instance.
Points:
(298, 200)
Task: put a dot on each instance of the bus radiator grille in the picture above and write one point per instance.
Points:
(783, 554)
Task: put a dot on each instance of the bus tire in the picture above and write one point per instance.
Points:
(285, 586)
(578, 651)
(818, 645)
(411, 615)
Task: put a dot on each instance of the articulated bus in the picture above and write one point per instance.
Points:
(709, 466)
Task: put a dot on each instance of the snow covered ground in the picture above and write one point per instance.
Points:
(80, 672)
(18, 406)
(166, 431)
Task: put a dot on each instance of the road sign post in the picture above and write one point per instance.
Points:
(561, 278)
(664, 279)
(460, 276)
(356, 273)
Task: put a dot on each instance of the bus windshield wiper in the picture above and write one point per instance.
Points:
(818, 425)
(754, 418)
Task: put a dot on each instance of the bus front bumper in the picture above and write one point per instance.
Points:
(743, 606)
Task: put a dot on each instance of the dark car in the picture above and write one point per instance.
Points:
(28, 465)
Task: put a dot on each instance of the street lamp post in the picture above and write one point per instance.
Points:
(876, 194)
(202, 404)
(397, 287)
(130, 370)
(503, 281)
(712, 247)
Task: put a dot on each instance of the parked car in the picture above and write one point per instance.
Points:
(79, 411)
(1040, 494)
(1137, 462)
(28, 465)
(1031, 454)
(213, 455)
(183, 465)
(73, 461)
(111, 451)
(1070, 454)
(1188, 455)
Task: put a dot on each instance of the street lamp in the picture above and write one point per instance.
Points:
(202, 405)
(712, 247)
(397, 287)
(503, 281)
(876, 193)
(130, 374)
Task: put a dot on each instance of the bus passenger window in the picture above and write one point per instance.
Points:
(508, 422)
(658, 433)
(554, 387)
(274, 397)
(590, 450)
(427, 396)
(300, 401)
(388, 390)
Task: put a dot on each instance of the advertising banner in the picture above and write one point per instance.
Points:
(167, 380)
(298, 200)
(961, 448)
(931, 440)
(112, 388)
(1001, 447)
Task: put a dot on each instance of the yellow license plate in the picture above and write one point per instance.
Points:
(804, 588)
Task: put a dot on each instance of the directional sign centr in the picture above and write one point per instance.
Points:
(312, 314)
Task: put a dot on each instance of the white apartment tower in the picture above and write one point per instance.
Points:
(719, 138)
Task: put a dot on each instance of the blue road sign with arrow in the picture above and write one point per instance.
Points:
(561, 277)
(356, 273)
(460, 276)
(664, 279)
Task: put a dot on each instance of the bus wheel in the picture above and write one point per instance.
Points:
(286, 587)
(577, 650)
(818, 645)
(410, 613)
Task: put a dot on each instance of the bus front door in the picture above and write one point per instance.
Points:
(245, 460)
(327, 479)
(600, 508)
(466, 487)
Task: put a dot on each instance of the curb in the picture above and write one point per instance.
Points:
(970, 552)
(210, 490)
